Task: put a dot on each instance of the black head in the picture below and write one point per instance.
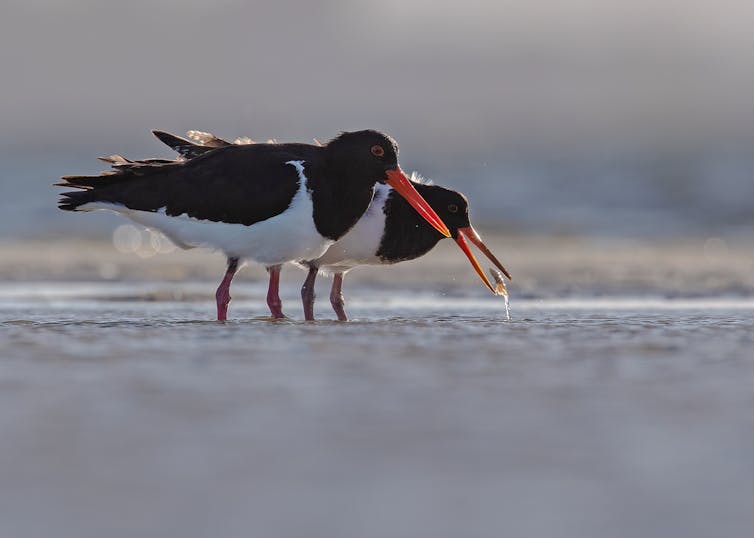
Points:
(407, 235)
(363, 158)
(453, 208)
(450, 205)
(364, 154)
(417, 238)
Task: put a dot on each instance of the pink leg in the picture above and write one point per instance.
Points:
(336, 297)
(307, 293)
(273, 297)
(223, 291)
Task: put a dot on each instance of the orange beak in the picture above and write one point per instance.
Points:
(398, 180)
(470, 233)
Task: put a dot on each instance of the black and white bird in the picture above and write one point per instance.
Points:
(388, 232)
(271, 203)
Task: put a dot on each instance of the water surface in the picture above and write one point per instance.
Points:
(426, 416)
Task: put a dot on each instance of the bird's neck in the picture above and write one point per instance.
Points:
(339, 199)
(407, 235)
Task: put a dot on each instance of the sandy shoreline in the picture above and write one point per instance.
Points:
(541, 266)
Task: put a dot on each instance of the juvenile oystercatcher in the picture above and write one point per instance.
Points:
(271, 203)
(390, 231)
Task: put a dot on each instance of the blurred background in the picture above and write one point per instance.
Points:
(619, 119)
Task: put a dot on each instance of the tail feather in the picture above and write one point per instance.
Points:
(119, 173)
(123, 170)
(71, 201)
(98, 188)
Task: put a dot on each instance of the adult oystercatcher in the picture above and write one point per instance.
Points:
(272, 203)
(388, 232)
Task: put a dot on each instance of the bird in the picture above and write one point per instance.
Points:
(270, 203)
(388, 232)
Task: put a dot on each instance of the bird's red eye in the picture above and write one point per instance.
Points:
(378, 151)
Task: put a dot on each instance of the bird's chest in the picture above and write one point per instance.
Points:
(359, 246)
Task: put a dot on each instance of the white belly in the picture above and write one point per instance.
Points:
(359, 246)
(289, 236)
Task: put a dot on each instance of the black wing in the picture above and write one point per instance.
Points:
(235, 184)
(188, 148)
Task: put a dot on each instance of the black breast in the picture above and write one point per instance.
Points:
(339, 200)
(407, 235)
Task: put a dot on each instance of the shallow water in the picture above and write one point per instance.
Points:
(128, 412)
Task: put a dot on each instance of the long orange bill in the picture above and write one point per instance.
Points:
(473, 236)
(470, 255)
(398, 180)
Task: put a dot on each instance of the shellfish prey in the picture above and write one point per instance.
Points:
(500, 289)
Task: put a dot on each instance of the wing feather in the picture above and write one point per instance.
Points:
(235, 184)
